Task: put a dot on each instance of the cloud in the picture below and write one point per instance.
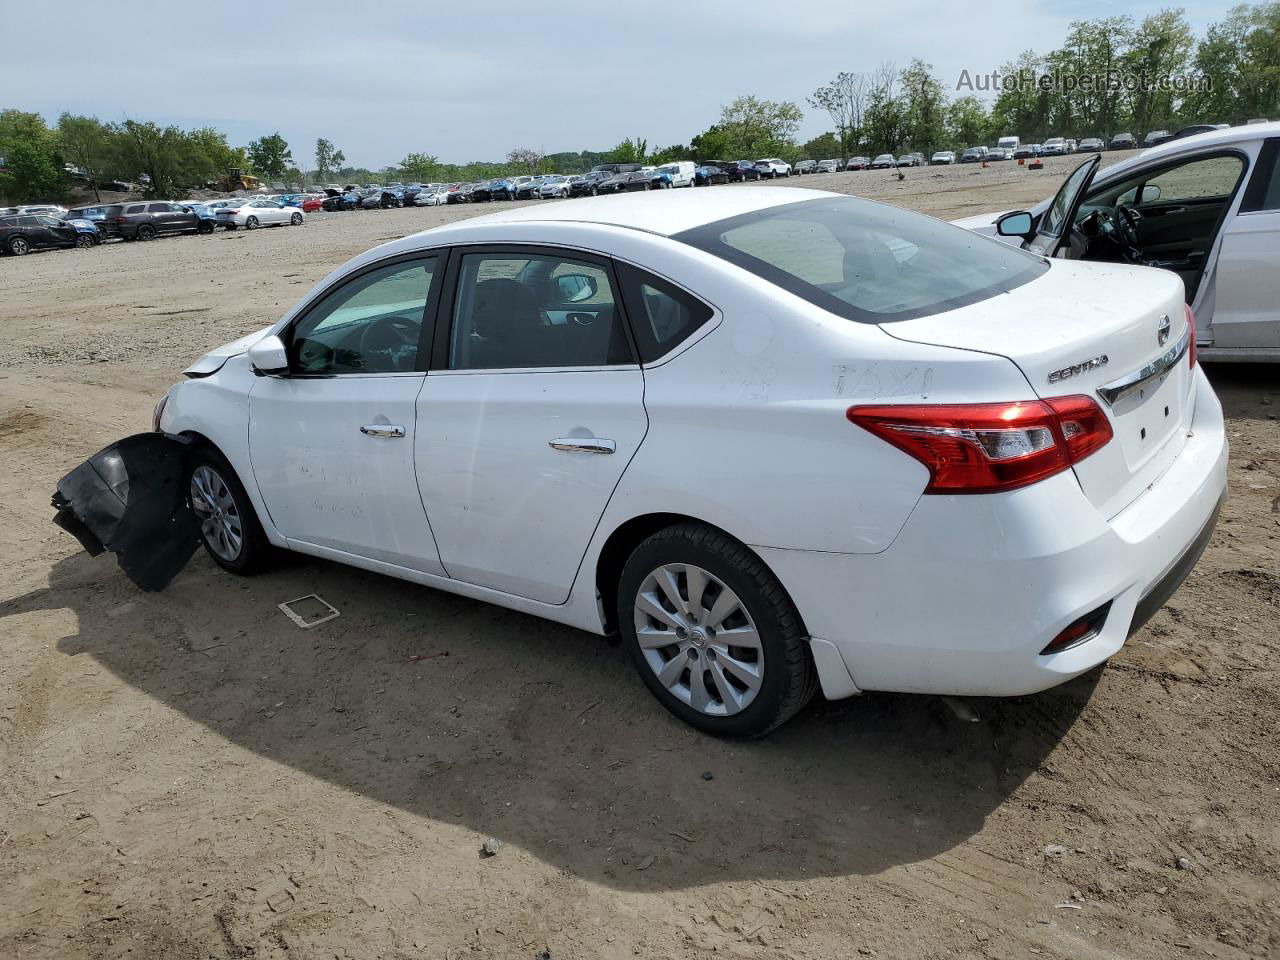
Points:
(471, 81)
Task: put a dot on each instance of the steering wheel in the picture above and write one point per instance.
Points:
(1122, 230)
(387, 335)
(1128, 217)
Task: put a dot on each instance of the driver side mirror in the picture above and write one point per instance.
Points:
(1150, 193)
(268, 356)
(1016, 224)
(576, 287)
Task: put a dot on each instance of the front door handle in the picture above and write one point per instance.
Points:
(382, 430)
(583, 445)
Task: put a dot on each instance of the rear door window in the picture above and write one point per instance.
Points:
(517, 311)
(1263, 192)
(662, 315)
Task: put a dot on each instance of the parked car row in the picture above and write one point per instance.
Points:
(24, 229)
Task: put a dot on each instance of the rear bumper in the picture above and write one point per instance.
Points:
(973, 588)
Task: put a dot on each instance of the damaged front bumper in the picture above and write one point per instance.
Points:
(130, 499)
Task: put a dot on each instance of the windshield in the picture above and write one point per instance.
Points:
(866, 261)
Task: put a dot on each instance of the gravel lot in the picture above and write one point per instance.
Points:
(188, 775)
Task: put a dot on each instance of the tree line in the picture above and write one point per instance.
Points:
(1111, 74)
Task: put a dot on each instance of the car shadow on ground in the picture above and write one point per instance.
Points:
(1248, 391)
(543, 736)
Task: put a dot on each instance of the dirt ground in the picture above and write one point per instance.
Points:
(188, 775)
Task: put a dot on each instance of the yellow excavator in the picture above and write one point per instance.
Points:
(235, 179)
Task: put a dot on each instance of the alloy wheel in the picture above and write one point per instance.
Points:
(699, 639)
(19, 247)
(216, 509)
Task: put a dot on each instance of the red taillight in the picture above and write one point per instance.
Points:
(121, 219)
(988, 447)
(1191, 329)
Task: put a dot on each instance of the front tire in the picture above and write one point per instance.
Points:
(296, 219)
(229, 527)
(713, 633)
(84, 241)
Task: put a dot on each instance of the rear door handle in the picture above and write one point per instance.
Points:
(382, 430)
(583, 445)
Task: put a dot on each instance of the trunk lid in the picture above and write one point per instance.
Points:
(1099, 330)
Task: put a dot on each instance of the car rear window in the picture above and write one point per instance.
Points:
(866, 261)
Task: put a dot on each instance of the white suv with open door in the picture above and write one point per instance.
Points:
(777, 440)
(1205, 207)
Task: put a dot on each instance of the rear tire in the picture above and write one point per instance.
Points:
(229, 527)
(756, 628)
(19, 246)
(146, 232)
(251, 223)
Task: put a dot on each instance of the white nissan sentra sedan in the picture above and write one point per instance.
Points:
(776, 439)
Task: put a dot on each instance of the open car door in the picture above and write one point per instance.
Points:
(1054, 229)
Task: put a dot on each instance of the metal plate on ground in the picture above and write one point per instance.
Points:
(309, 611)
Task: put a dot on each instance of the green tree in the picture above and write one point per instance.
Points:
(525, 159)
(715, 144)
(677, 151)
(421, 167)
(760, 128)
(85, 143)
(967, 123)
(824, 147)
(885, 127)
(630, 151)
(845, 100)
(32, 173)
(924, 107)
(270, 156)
(1018, 110)
(328, 159)
(17, 126)
(1240, 59)
(1161, 49)
(170, 158)
(219, 156)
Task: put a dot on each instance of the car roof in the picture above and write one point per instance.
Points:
(665, 213)
(1212, 138)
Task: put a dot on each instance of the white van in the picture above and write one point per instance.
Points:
(681, 171)
(1009, 143)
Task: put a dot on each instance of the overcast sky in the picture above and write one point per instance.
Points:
(391, 77)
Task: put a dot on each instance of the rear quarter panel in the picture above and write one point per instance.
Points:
(747, 420)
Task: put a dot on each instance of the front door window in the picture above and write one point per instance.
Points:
(371, 325)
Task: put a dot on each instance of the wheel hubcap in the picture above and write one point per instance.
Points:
(217, 512)
(699, 640)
